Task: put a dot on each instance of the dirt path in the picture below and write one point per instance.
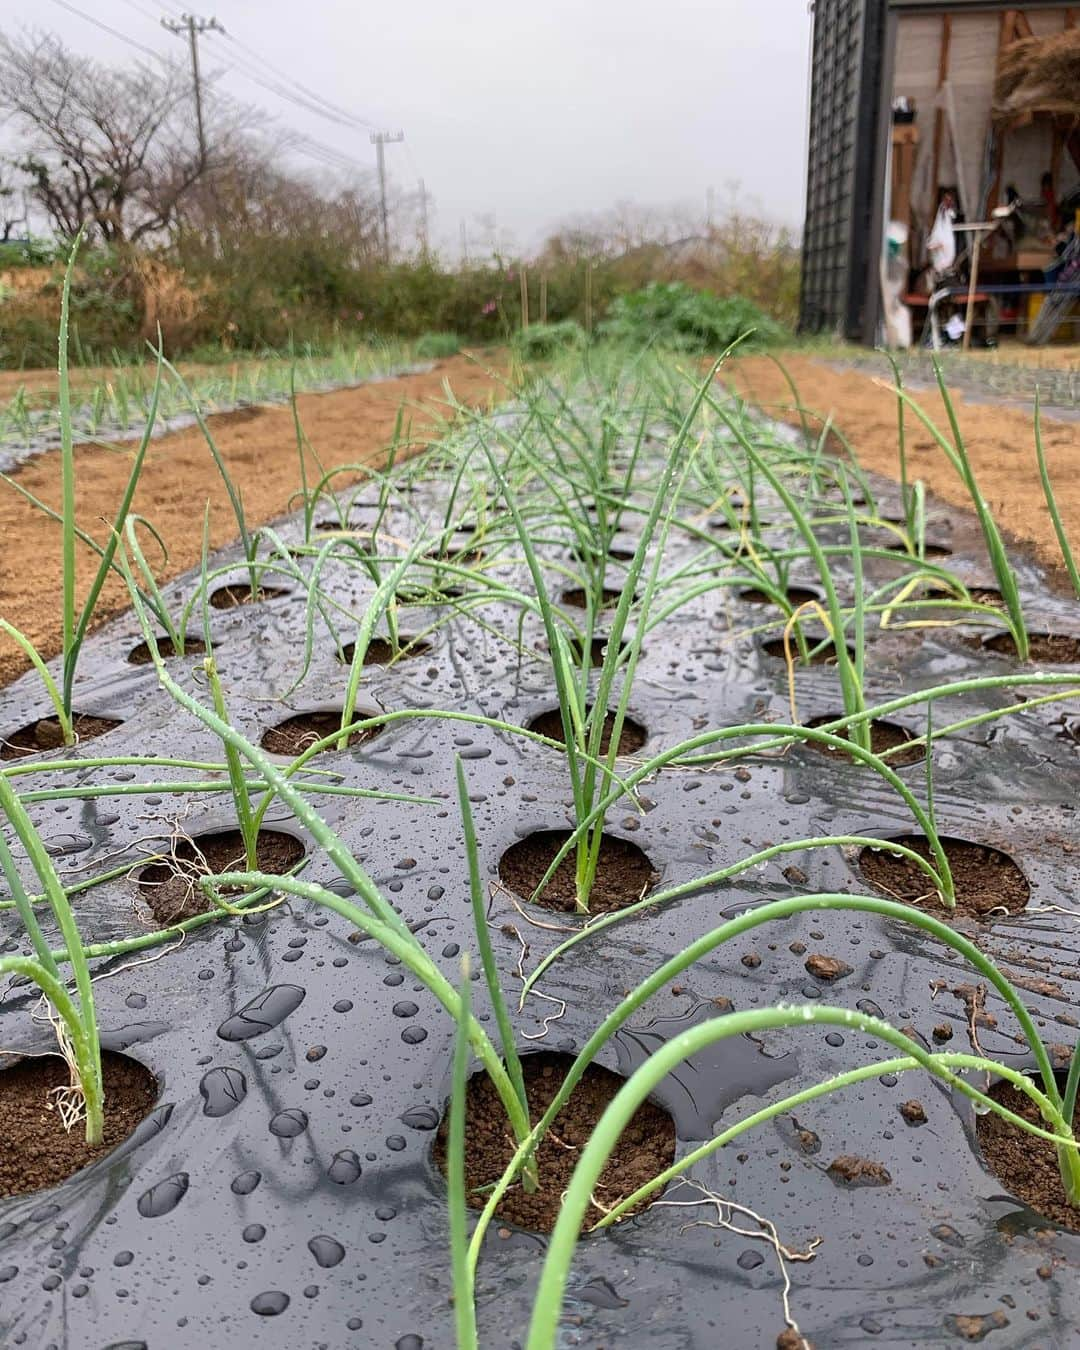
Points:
(179, 477)
(999, 440)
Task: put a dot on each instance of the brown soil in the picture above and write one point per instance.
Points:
(825, 657)
(999, 440)
(140, 655)
(346, 426)
(796, 595)
(38, 1151)
(45, 734)
(576, 598)
(623, 874)
(1052, 648)
(596, 650)
(632, 736)
(852, 1171)
(645, 1147)
(233, 596)
(171, 888)
(985, 878)
(297, 734)
(380, 651)
(883, 736)
(1026, 1166)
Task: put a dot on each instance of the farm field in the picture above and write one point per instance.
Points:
(521, 853)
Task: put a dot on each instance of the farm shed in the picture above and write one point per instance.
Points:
(912, 97)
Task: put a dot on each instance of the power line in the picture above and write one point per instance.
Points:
(310, 95)
(113, 32)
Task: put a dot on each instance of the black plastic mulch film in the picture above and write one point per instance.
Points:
(283, 1192)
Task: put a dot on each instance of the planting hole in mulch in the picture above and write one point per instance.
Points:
(987, 881)
(1053, 648)
(632, 736)
(171, 887)
(623, 873)
(299, 733)
(460, 555)
(381, 651)
(645, 1147)
(240, 593)
(435, 595)
(38, 1151)
(45, 734)
(622, 555)
(597, 650)
(980, 595)
(1025, 1165)
(577, 598)
(826, 656)
(883, 736)
(796, 595)
(140, 655)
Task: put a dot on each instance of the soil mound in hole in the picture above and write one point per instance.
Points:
(38, 1151)
(645, 1147)
(796, 595)
(623, 874)
(380, 650)
(140, 655)
(434, 595)
(597, 648)
(240, 593)
(632, 736)
(985, 878)
(1053, 648)
(45, 734)
(825, 657)
(1025, 1165)
(297, 734)
(577, 598)
(171, 887)
(883, 736)
(460, 555)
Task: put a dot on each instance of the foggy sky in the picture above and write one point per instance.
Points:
(535, 112)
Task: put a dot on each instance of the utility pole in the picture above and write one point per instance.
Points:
(193, 27)
(381, 139)
(424, 196)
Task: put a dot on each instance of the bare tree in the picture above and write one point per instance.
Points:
(12, 204)
(108, 149)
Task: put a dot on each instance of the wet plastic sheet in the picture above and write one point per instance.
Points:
(283, 1192)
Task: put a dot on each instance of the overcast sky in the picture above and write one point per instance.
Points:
(536, 112)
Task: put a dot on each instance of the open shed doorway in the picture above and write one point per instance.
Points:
(982, 191)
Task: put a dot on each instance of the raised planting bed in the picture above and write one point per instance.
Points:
(300, 1134)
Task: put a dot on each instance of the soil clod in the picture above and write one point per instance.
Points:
(850, 1170)
(826, 967)
(38, 1151)
(623, 874)
(645, 1147)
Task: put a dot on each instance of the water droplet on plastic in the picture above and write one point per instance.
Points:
(164, 1197)
(327, 1251)
(289, 1123)
(270, 1304)
(245, 1183)
(222, 1089)
(344, 1168)
(266, 1011)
